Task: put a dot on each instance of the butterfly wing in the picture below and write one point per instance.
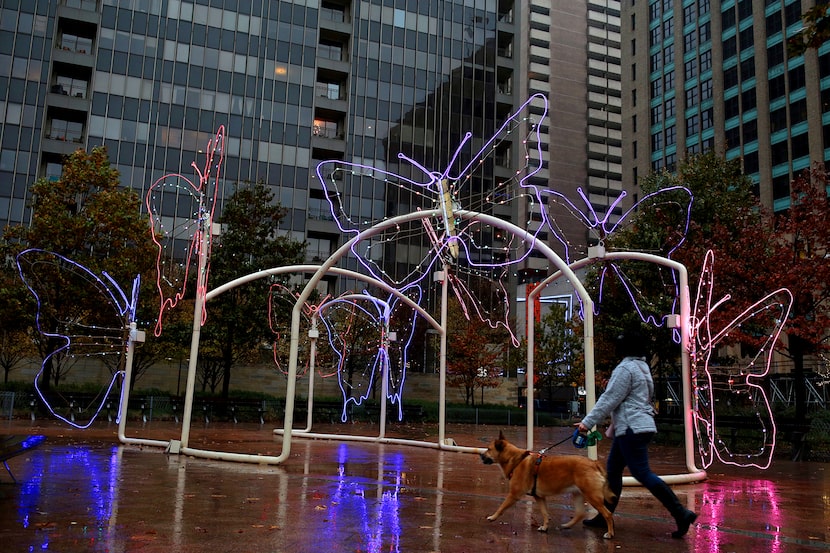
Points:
(179, 211)
(737, 384)
(79, 314)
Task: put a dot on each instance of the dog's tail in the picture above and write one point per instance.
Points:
(608, 496)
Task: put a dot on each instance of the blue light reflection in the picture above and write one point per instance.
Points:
(89, 478)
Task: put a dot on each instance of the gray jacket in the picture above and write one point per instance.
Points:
(627, 399)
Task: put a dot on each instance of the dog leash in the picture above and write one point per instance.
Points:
(592, 438)
(543, 451)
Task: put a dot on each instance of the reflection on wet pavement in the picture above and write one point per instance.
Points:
(82, 492)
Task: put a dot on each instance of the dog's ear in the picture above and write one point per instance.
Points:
(501, 435)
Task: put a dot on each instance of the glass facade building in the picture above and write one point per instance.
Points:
(704, 74)
(297, 83)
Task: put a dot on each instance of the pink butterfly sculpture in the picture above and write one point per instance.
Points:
(738, 385)
(180, 210)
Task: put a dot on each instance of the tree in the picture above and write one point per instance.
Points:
(559, 358)
(723, 207)
(790, 249)
(17, 309)
(88, 218)
(237, 324)
(816, 30)
(474, 351)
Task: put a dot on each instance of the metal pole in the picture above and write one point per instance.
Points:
(198, 310)
(442, 359)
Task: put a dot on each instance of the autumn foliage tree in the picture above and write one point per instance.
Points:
(788, 249)
(237, 325)
(85, 216)
(474, 352)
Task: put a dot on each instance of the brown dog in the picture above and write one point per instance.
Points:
(541, 476)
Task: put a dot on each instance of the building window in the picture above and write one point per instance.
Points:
(654, 36)
(747, 69)
(690, 42)
(731, 107)
(745, 9)
(778, 119)
(655, 62)
(690, 69)
(798, 112)
(706, 90)
(689, 13)
(746, 39)
(705, 32)
(749, 130)
(657, 142)
(796, 78)
(671, 136)
(657, 87)
(705, 61)
(730, 47)
(668, 27)
(728, 17)
(707, 119)
(671, 108)
(669, 79)
(777, 88)
(691, 97)
(749, 100)
(775, 54)
(692, 125)
(656, 114)
(730, 77)
(668, 53)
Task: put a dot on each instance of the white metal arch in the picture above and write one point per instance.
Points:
(694, 473)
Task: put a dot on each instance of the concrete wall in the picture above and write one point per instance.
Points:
(268, 380)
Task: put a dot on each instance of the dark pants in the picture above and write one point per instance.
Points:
(631, 450)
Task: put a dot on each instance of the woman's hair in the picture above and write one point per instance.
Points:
(632, 342)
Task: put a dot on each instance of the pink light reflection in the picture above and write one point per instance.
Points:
(724, 504)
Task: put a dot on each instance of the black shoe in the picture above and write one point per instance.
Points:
(683, 523)
(596, 522)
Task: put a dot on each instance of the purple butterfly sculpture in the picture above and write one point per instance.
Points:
(71, 330)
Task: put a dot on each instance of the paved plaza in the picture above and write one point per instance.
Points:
(82, 491)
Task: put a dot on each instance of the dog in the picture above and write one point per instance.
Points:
(541, 476)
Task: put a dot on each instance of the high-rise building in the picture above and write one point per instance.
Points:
(701, 74)
(296, 83)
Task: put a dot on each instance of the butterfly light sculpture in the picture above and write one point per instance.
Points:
(181, 216)
(716, 388)
(671, 205)
(70, 329)
(462, 245)
(370, 337)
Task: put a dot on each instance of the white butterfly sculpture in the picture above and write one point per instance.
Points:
(71, 329)
(464, 245)
(738, 385)
(179, 210)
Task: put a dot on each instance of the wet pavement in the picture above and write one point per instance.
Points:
(82, 491)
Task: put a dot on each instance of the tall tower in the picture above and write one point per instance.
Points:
(706, 74)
